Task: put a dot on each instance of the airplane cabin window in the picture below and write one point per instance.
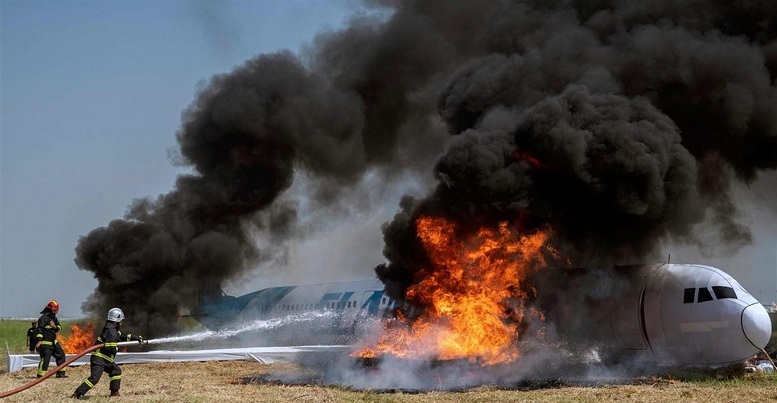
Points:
(690, 293)
(724, 292)
(704, 295)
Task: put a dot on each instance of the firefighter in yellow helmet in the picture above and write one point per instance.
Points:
(47, 344)
(103, 360)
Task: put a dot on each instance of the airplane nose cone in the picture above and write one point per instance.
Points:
(756, 325)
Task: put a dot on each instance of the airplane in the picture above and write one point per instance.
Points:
(663, 314)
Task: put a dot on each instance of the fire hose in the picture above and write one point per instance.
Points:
(769, 358)
(65, 364)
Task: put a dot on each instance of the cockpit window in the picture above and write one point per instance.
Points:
(704, 295)
(689, 294)
(724, 292)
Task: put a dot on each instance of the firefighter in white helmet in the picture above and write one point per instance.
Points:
(103, 359)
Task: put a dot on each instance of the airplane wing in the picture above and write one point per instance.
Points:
(261, 354)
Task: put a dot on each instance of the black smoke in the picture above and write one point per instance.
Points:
(622, 126)
(619, 125)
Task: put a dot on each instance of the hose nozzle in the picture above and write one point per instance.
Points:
(132, 343)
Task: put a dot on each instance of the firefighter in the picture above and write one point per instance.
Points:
(32, 338)
(47, 344)
(103, 359)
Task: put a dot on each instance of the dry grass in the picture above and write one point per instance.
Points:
(220, 381)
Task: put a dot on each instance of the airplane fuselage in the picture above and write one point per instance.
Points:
(667, 314)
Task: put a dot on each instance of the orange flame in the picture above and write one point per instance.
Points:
(81, 338)
(473, 298)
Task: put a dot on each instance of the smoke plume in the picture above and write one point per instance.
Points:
(620, 125)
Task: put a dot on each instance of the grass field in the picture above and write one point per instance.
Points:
(222, 381)
(13, 333)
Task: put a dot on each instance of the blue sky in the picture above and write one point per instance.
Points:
(92, 94)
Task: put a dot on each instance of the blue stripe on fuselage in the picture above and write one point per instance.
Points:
(372, 303)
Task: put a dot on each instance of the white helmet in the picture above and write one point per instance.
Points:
(115, 315)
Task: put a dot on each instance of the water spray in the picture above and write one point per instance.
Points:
(245, 327)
